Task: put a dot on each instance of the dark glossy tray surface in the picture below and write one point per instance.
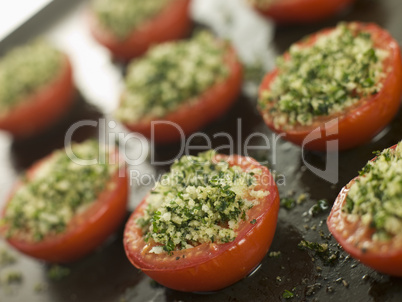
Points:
(107, 275)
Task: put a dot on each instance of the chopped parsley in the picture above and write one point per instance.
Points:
(274, 254)
(376, 196)
(24, 70)
(198, 201)
(320, 207)
(287, 294)
(170, 74)
(121, 17)
(334, 73)
(60, 188)
(6, 258)
(10, 277)
(288, 203)
(322, 250)
(313, 246)
(57, 272)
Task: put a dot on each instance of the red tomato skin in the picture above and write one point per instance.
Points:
(359, 123)
(87, 230)
(215, 266)
(191, 117)
(303, 11)
(385, 257)
(171, 24)
(43, 108)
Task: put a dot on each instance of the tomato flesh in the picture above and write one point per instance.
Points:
(86, 230)
(42, 108)
(191, 117)
(356, 124)
(210, 266)
(171, 24)
(303, 11)
(356, 239)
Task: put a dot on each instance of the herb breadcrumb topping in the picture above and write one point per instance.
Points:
(376, 196)
(171, 74)
(123, 16)
(24, 70)
(59, 189)
(199, 201)
(334, 73)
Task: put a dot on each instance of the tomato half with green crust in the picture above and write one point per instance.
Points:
(172, 23)
(355, 124)
(86, 230)
(192, 116)
(300, 11)
(43, 107)
(356, 237)
(210, 266)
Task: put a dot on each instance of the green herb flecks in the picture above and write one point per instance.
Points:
(6, 257)
(57, 272)
(314, 246)
(288, 203)
(376, 196)
(171, 74)
(320, 207)
(338, 70)
(123, 16)
(26, 69)
(287, 294)
(46, 202)
(321, 250)
(199, 200)
(10, 277)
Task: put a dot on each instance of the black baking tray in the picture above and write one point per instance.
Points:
(106, 274)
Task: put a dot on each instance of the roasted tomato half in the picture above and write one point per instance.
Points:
(33, 220)
(171, 23)
(333, 92)
(299, 11)
(41, 108)
(222, 256)
(178, 88)
(366, 217)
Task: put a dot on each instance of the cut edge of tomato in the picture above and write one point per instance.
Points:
(192, 116)
(75, 243)
(218, 249)
(378, 113)
(246, 228)
(306, 11)
(175, 16)
(50, 100)
(250, 247)
(355, 238)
